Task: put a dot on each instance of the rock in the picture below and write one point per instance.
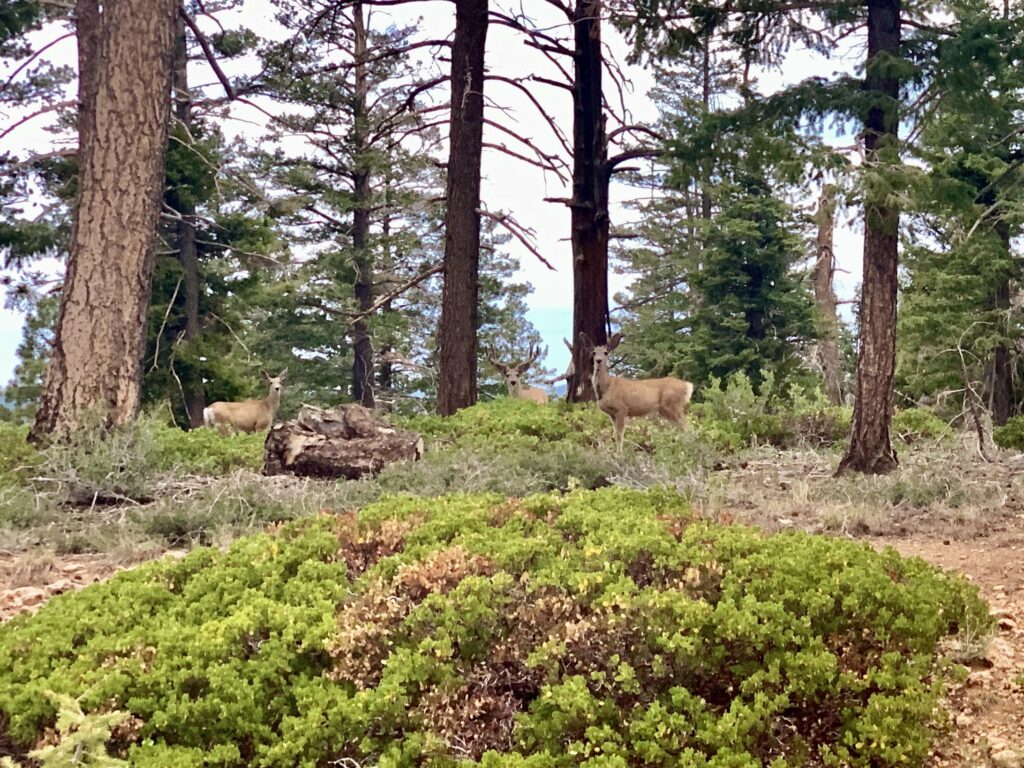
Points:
(348, 441)
(1006, 758)
(1000, 654)
(981, 677)
(963, 720)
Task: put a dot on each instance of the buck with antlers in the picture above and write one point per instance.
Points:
(248, 415)
(625, 399)
(514, 377)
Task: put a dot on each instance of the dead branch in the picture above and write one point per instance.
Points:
(211, 57)
(398, 292)
(521, 233)
(52, 107)
(517, 83)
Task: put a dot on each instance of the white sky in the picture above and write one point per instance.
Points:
(507, 184)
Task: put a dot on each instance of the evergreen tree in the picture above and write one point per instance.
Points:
(961, 269)
(751, 312)
(22, 393)
(717, 290)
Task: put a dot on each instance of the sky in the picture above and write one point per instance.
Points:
(508, 184)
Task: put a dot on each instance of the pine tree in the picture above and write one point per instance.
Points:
(124, 50)
(961, 267)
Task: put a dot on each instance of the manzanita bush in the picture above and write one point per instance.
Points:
(599, 628)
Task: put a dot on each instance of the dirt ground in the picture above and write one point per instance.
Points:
(955, 512)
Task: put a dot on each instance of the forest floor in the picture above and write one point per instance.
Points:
(947, 507)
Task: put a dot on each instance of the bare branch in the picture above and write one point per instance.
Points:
(521, 233)
(211, 57)
(33, 57)
(398, 292)
(37, 113)
(516, 83)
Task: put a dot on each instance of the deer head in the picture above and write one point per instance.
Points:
(276, 382)
(513, 373)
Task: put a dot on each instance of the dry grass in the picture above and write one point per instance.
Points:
(945, 490)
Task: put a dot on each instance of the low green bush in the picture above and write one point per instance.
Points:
(598, 628)
(207, 452)
(17, 457)
(913, 424)
(1011, 434)
(735, 416)
(821, 427)
(510, 422)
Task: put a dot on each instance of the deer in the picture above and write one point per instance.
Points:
(625, 399)
(514, 377)
(248, 415)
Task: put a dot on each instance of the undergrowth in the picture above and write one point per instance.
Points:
(602, 628)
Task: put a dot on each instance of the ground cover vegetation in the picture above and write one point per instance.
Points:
(608, 627)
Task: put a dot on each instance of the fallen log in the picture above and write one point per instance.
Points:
(348, 441)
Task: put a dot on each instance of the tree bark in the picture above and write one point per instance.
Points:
(185, 232)
(870, 448)
(825, 298)
(125, 78)
(362, 344)
(1002, 367)
(589, 204)
(457, 334)
(348, 442)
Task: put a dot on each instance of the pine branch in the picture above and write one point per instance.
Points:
(211, 57)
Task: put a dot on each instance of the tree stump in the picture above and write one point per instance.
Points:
(348, 441)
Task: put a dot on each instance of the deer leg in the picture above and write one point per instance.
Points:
(620, 428)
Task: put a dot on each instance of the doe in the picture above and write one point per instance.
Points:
(248, 415)
(625, 399)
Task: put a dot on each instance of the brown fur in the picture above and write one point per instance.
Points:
(624, 399)
(247, 415)
(514, 378)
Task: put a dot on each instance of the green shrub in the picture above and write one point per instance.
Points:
(915, 424)
(512, 423)
(95, 465)
(603, 627)
(1011, 434)
(821, 428)
(735, 415)
(17, 457)
(205, 451)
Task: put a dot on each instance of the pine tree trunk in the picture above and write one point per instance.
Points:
(825, 298)
(362, 345)
(589, 205)
(1002, 368)
(185, 234)
(870, 448)
(125, 60)
(457, 334)
(705, 198)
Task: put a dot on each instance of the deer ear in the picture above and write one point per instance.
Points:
(282, 374)
(588, 345)
(264, 374)
(613, 342)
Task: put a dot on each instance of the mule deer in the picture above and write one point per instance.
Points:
(625, 399)
(248, 415)
(514, 377)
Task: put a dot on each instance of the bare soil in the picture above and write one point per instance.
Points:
(949, 508)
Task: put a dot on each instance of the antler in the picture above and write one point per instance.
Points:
(494, 361)
(534, 354)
